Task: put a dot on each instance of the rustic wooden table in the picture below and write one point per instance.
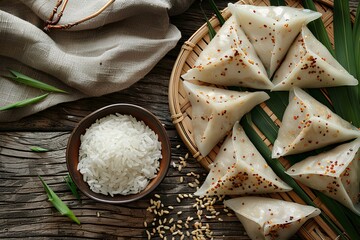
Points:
(25, 211)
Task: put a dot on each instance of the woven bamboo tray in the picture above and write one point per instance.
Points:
(180, 108)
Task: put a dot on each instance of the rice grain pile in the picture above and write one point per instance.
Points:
(119, 155)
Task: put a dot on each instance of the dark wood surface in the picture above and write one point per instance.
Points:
(25, 211)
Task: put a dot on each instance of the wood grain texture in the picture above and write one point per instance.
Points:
(25, 211)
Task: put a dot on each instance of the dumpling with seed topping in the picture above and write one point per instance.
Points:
(307, 125)
(215, 110)
(240, 169)
(270, 219)
(230, 60)
(309, 64)
(336, 173)
(271, 29)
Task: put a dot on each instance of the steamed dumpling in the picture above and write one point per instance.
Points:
(230, 60)
(309, 64)
(307, 125)
(271, 29)
(215, 110)
(270, 219)
(336, 173)
(240, 169)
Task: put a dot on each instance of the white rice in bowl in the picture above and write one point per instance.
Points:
(119, 155)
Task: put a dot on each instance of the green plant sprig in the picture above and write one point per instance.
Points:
(58, 203)
(211, 29)
(38, 149)
(26, 80)
(356, 36)
(24, 102)
(217, 12)
(72, 186)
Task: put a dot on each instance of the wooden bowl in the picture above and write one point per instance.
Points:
(141, 114)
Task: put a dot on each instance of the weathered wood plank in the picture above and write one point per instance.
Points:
(25, 211)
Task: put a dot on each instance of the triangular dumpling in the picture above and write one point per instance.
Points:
(240, 169)
(215, 110)
(307, 125)
(269, 219)
(336, 173)
(230, 60)
(309, 64)
(271, 29)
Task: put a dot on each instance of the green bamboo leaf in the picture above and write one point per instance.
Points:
(344, 47)
(355, 219)
(340, 96)
(340, 214)
(343, 36)
(317, 27)
(277, 2)
(320, 96)
(217, 12)
(268, 127)
(356, 36)
(24, 103)
(212, 31)
(58, 203)
(72, 186)
(38, 149)
(278, 102)
(21, 78)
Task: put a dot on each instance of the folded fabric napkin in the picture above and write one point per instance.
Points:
(105, 54)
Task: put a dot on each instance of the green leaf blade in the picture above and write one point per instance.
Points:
(217, 12)
(265, 123)
(340, 214)
(343, 36)
(72, 186)
(24, 102)
(211, 29)
(26, 80)
(58, 203)
(38, 149)
(317, 27)
(356, 36)
(345, 99)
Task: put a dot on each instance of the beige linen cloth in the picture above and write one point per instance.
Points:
(103, 55)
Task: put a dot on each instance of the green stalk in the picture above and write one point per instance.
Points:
(72, 186)
(278, 102)
(356, 36)
(212, 31)
(38, 149)
(345, 99)
(58, 203)
(21, 78)
(343, 36)
(24, 103)
(320, 96)
(270, 130)
(317, 27)
(340, 215)
(217, 12)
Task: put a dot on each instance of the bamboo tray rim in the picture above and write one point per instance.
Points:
(312, 229)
